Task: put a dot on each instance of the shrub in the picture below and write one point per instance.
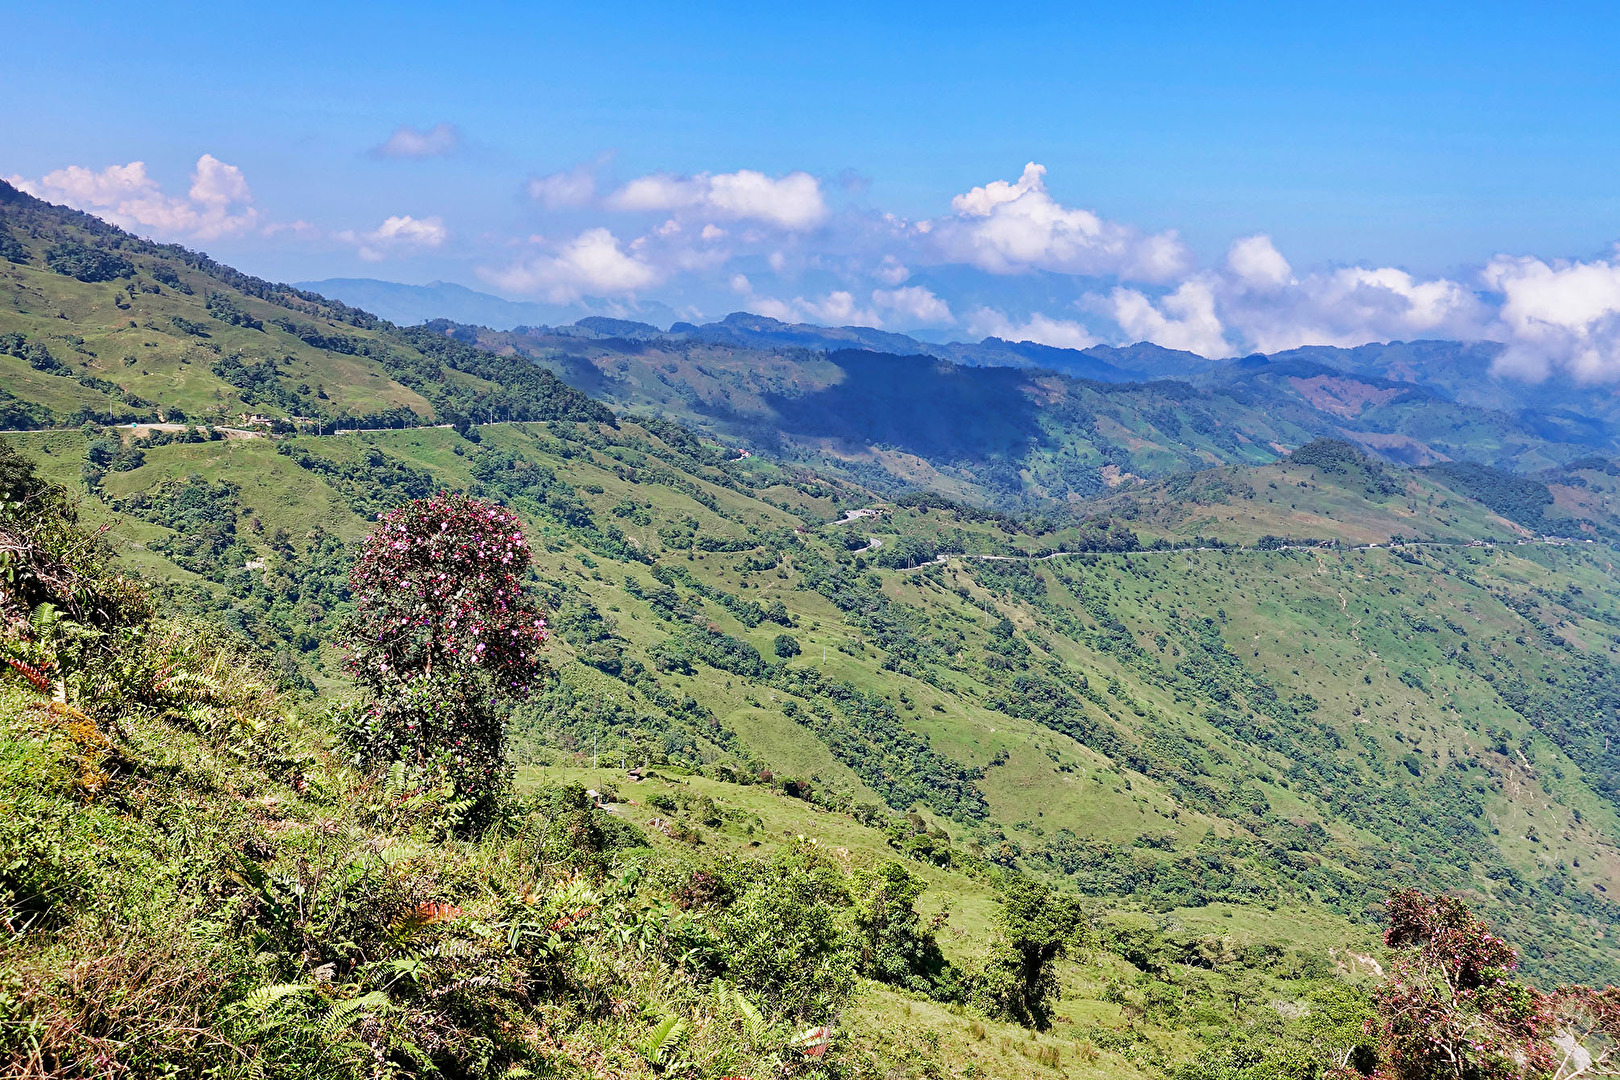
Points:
(786, 646)
(894, 946)
(65, 611)
(1034, 927)
(442, 629)
(784, 940)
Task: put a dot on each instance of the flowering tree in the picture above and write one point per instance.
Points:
(1450, 1007)
(442, 628)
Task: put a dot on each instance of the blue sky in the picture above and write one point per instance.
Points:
(1425, 140)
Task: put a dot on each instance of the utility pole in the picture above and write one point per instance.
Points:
(593, 749)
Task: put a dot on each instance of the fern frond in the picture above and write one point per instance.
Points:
(750, 1014)
(471, 983)
(344, 1013)
(456, 949)
(666, 1036)
(265, 996)
(35, 675)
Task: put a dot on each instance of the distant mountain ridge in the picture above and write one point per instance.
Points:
(408, 305)
(439, 300)
(1461, 371)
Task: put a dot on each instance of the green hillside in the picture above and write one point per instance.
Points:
(102, 327)
(1223, 713)
(1017, 435)
(1308, 721)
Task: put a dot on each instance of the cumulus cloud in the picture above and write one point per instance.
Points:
(1347, 306)
(408, 142)
(398, 235)
(218, 203)
(914, 305)
(837, 308)
(1560, 316)
(592, 264)
(891, 271)
(1041, 329)
(571, 187)
(793, 202)
(1257, 264)
(1008, 227)
(1182, 319)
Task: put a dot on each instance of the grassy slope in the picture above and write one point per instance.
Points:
(1371, 637)
(1093, 1036)
(122, 331)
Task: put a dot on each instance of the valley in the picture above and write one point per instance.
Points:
(1219, 661)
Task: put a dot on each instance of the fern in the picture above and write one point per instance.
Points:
(457, 949)
(396, 783)
(750, 1014)
(666, 1037)
(261, 999)
(344, 1013)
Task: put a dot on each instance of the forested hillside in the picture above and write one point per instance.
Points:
(1030, 424)
(1211, 718)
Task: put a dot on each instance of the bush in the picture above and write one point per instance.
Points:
(66, 612)
(894, 946)
(785, 940)
(786, 646)
(442, 629)
(1034, 927)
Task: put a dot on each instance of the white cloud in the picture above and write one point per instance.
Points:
(982, 201)
(792, 202)
(398, 235)
(1347, 307)
(1183, 319)
(656, 192)
(839, 308)
(1041, 329)
(571, 187)
(892, 271)
(592, 264)
(1257, 264)
(915, 305)
(409, 142)
(219, 202)
(1561, 316)
(1009, 227)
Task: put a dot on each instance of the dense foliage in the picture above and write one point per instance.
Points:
(441, 629)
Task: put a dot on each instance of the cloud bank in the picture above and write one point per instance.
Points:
(793, 202)
(1006, 258)
(398, 235)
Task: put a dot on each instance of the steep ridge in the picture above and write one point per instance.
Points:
(104, 327)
